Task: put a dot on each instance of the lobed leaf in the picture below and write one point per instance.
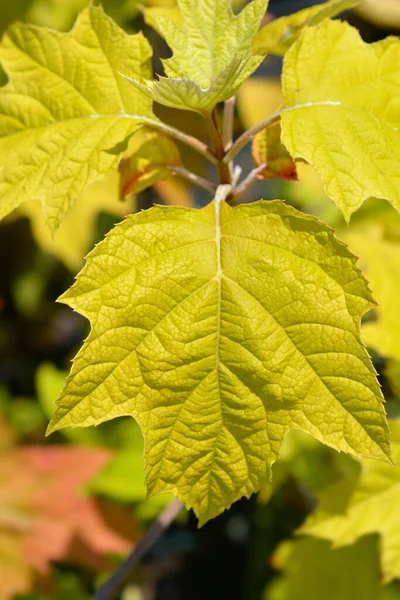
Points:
(63, 107)
(219, 330)
(280, 34)
(211, 54)
(370, 506)
(343, 112)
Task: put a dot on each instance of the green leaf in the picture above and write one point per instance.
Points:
(64, 105)
(211, 54)
(342, 114)
(280, 34)
(314, 570)
(219, 330)
(370, 506)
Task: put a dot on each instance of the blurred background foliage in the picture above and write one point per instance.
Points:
(71, 506)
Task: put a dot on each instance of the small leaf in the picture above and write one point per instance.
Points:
(279, 35)
(51, 144)
(370, 506)
(150, 154)
(268, 150)
(219, 330)
(342, 114)
(211, 54)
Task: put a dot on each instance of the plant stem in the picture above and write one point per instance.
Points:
(248, 135)
(113, 585)
(189, 140)
(229, 112)
(223, 168)
(192, 178)
(248, 181)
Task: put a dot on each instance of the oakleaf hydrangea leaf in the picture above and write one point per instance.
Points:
(219, 330)
(211, 54)
(343, 112)
(277, 36)
(64, 104)
(346, 513)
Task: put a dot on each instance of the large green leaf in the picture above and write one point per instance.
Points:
(277, 36)
(343, 112)
(369, 506)
(211, 54)
(220, 330)
(64, 105)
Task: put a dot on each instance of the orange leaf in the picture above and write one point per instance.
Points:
(267, 149)
(44, 513)
(150, 154)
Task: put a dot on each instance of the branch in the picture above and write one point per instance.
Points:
(192, 178)
(189, 140)
(113, 585)
(224, 169)
(248, 135)
(229, 112)
(248, 182)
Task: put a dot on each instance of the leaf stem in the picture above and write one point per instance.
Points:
(113, 585)
(192, 178)
(229, 112)
(223, 168)
(248, 135)
(248, 181)
(189, 140)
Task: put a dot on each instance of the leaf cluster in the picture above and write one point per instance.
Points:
(222, 329)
